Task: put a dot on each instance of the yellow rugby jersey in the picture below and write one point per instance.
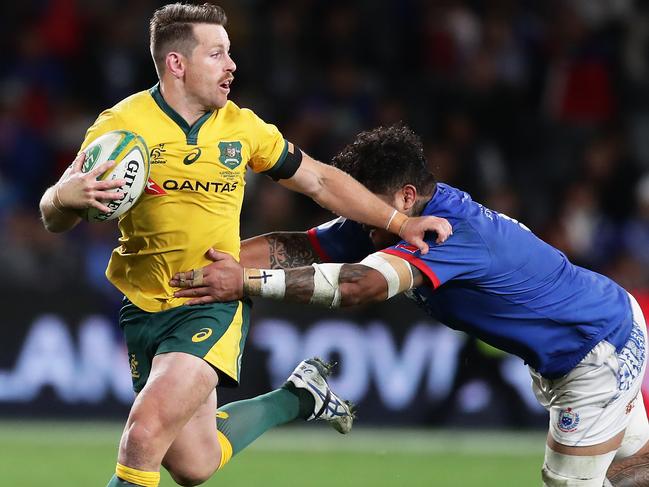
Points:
(194, 193)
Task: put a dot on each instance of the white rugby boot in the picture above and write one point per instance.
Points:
(312, 375)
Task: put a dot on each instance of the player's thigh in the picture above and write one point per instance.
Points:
(591, 466)
(636, 436)
(178, 385)
(566, 466)
(195, 452)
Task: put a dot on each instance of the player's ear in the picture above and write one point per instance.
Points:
(409, 196)
(175, 64)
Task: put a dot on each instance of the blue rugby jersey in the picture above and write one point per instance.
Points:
(494, 279)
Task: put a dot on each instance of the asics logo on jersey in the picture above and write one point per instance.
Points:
(192, 157)
(202, 335)
(207, 186)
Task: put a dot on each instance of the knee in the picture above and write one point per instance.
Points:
(143, 431)
(142, 439)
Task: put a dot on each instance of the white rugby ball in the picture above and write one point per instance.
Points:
(131, 156)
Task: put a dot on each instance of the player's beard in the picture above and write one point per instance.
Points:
(210, 96)
(216, 101)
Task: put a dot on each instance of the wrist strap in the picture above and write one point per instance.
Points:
(268, 283)
(55, 197)
(396, 222)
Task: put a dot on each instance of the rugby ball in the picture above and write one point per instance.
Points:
(131, 156)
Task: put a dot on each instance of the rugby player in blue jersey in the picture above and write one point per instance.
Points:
(582, 335)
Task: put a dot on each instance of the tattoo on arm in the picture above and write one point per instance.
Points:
(299, 284)
(361, 284)
(353, 273)
(289, 250)
(364, 288)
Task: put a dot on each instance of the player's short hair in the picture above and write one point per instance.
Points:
(171, 29)
(387, 158)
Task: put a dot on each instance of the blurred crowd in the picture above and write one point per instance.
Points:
(539, 109)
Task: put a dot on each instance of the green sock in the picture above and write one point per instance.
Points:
(307, 403)
(117, 482)
(242, 422)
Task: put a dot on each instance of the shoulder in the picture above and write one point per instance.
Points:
(141, 100)
(233, 110)
(132, 109)
(248, 115)
(124, 115)
(231, 113)
(450, 203)
(256, 129)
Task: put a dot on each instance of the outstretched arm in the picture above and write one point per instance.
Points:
(377, 278)
(337, 191)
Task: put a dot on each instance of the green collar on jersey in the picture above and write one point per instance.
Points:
(191, 133)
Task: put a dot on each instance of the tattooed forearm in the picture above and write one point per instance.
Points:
(339, 284)
(290, 249)
(299, 284)
(353, 273)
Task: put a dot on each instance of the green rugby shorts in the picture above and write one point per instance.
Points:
(215, 332)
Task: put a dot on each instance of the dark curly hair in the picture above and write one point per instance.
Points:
(387, 158)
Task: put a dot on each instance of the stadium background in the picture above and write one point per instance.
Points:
(539, 109)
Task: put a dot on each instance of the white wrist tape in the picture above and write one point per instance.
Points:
(326, 290)
(397, 272)
(584, 471)
(268, 283)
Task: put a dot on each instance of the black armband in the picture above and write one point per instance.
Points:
(288, 163)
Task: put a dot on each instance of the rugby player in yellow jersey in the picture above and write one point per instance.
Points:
(201, 145)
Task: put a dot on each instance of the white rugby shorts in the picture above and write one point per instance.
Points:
(601, 396)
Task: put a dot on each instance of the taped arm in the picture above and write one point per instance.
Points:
(376, 278)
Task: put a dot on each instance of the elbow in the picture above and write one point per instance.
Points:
(315, 190)
(316, 185)
(58, 225)
(52, 227)
(48, 223)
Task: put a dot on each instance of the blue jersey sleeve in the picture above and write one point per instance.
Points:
(340, 240)
(463, 256)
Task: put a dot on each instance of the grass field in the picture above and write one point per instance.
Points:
(83, 455)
